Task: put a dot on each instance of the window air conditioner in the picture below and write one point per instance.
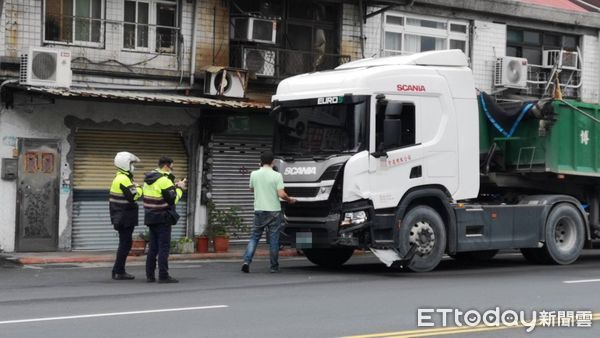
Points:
(510, 72)
(254, 29)
(46, 67)
(565, 59)
(230, 82)
(259, 61)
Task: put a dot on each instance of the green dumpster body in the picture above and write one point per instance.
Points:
(571, 146)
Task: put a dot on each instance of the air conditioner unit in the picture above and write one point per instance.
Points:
(261, 62)
(46, 67)
(562, 59)
(510, 72)
(254, 29)
(230, 82)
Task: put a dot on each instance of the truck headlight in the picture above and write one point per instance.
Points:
(354, 218)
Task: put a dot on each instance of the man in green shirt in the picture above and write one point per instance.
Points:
(267, 185)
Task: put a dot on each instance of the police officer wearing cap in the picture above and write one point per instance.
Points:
(124, 209)
(161, 194)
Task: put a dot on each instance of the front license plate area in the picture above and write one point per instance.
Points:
(304, 240)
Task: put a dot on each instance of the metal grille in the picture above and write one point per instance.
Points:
(302, 191)
(93, 173)
(231, 159)
(43, 66)
(281, 63)
(92, 229)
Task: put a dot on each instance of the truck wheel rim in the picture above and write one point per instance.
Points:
(422, 235)
(565, 234)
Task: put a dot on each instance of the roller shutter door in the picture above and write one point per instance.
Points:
(231, 159)
(93, 173)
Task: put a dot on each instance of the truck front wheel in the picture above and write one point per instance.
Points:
(423, 227)
(330, 258)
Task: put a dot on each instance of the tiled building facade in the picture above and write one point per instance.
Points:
(139, 66)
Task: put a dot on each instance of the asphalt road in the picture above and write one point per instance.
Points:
(214, 299)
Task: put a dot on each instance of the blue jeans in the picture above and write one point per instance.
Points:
(160, 244)
(265, 219)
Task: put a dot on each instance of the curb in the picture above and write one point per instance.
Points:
(6, 260)
(9, 261)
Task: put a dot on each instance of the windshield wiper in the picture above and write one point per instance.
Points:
(289, 156)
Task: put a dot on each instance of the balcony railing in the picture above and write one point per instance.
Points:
(278, 63)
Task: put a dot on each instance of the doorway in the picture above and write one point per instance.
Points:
(38, 195)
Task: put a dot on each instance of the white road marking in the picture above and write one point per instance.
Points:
(582, 281)
(46, 319)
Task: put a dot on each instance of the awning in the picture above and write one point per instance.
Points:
(148, 96)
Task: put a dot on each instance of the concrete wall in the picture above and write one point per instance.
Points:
(590, 48)
(2, 28)
(23, 28)
(351, 33)
(38, 118)
(351, 44)
(489, 42)
(373, 30)
(212, 37)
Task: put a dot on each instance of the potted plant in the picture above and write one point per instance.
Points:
(218, 221)
(184, 245)
(138, 244)
(202, 243)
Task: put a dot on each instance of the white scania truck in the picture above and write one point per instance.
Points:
(384, 154)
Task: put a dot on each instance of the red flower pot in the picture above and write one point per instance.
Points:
(202, 244)
(221, 243)
(137, 247)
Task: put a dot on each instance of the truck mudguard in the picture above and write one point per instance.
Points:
(551, 201)
(438, 193)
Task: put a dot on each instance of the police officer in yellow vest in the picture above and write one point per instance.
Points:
(124, 209)
(161, 194)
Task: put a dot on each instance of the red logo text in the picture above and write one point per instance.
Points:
(410, 88)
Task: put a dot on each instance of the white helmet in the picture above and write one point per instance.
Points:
(124, 161)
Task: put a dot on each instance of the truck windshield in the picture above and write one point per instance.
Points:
(317, 130)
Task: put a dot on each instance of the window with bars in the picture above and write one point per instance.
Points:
(531, 44)
(74, 21)
(150, 25)
(135, 27)
(407, 34)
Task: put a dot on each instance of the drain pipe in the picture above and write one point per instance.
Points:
(362, 22)
(193, 57)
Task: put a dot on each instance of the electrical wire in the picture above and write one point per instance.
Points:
(124, 65)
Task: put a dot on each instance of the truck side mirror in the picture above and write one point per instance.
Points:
(380, 152)
(275, 111)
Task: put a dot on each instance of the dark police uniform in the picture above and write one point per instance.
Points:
(123, 215)
(160, 197)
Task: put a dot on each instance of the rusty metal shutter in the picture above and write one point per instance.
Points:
(94, 170)
(231, 159)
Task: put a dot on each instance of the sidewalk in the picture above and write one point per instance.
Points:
(73, 257)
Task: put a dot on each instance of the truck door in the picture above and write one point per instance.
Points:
(396, 158)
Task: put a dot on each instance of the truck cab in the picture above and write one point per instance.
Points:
(362, 146)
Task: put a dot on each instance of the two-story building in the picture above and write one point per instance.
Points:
(193, 79)
(559, 36)
(84, 79)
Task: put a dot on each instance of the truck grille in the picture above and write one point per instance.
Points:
(302, 191)
(300, 209)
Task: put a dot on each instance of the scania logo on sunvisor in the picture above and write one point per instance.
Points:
(300, 171)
